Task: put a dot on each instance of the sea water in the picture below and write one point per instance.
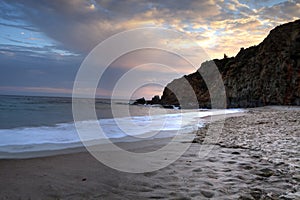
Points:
(29, 124)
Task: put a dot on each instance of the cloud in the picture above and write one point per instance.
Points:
(24, 27)
(68, 30)
(36, 89)
(282, 12)
(79, 25)
(80, 28)
(29, 69)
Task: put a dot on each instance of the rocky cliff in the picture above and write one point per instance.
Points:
(266, 74)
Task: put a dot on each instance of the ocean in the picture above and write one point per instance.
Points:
(30, 123)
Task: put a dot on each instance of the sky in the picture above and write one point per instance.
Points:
(43, 43)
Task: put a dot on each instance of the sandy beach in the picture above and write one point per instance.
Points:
(256, 157)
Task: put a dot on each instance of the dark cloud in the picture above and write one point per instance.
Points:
(70, 23)
(80, 27)
(77, 26)
(282, 12)
(20, 67)
(25, 27)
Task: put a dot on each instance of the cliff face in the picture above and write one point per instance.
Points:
(267, 74)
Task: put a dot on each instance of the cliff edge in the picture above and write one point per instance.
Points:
(266, 74)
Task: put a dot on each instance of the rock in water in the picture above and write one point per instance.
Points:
(139, 101)
(266, 74)
(155, 100)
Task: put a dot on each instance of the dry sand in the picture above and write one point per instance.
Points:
(256, 157)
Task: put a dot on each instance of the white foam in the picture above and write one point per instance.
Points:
(65, 135)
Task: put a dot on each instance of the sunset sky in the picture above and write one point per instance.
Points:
(43, 42)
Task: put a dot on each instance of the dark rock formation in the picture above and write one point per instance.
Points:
(267, 74)
(139, 101)
(155, 100)
(142, 101)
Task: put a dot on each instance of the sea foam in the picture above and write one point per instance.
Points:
(64, 135)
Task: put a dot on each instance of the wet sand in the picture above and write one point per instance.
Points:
(255, 157)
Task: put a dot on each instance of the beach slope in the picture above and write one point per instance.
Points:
(256, 157)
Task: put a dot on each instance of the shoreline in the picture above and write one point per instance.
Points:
(126, 143)
(255, 157)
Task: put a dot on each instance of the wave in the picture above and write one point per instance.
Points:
(65, 135)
